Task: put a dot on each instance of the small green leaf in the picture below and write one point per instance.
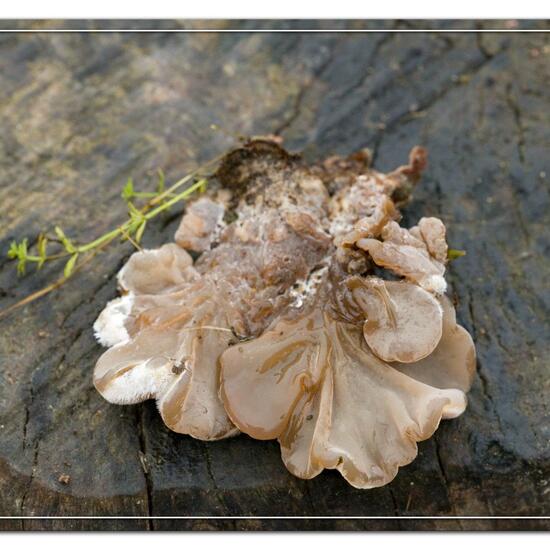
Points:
(133, 211)
(69, 247)
(13, 252)
(23, 248)
(19, 251)
(69, 266)
(59, 233)
(137, 218)
(21, 265)
(140, 230)
(22, 255)
(161, 182)
(128, 190)
(42, 244)
(453, 254)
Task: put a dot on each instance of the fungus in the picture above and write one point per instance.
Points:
(172, 335)
(312, 382)
(199, 225)
(287, 325)
(403, 321)
(452, 364)
(419, 254)
(176, 317)
(147, 273)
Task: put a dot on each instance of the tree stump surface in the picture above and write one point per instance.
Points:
(80, 113)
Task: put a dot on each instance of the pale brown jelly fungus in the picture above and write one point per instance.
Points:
(312, 382)
(241, 338)
(404, 322)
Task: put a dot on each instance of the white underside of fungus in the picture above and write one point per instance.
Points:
(286, 326)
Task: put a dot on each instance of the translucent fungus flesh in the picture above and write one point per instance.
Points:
(283, 329)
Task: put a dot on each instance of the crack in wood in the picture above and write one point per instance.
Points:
(453, 83)
(25, 425)
(480, 372)
(142, 455)
(442, 469)
(405, 117)
(31, 477)
(395, 507)
(309, 497)
(481, 46)
(513, 104)
(388, 37)
(208, 461)
(296, 109)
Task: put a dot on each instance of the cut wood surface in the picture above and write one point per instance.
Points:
(80, 113)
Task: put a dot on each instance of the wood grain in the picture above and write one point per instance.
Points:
(80, 113)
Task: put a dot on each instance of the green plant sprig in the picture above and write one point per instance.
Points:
(133, 227)
(453, 254)
(132, 230)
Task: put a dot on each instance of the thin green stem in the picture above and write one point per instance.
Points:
(104, 238)
(46, 290)
(198, 185)
(183, 180)
(48, 258)
(136, 224)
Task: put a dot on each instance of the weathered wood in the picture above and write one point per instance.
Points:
(82, 112)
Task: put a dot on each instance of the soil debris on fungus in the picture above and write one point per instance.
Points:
(286, 326)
